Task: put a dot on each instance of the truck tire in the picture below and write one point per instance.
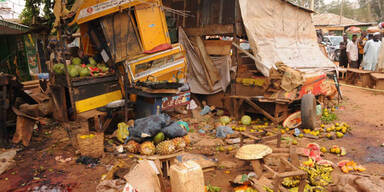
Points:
(308, 111)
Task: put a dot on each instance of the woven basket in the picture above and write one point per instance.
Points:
(74, 131)
(91, 145)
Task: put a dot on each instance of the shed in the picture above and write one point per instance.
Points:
(13, 58)
(329, 22)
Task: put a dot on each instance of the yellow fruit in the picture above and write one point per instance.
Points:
(322, 125)
(329, 136)
(221, 148)
(266, 123)
(344, 130)
(306, 131)
(230, 148)
(286, 129)
(323, 149)
(338, 128)
(282, 131)
(294, 142)
(337, 150)
(329, 129)
(251, 130)
(339, 134)
(301, 135)
(227, 172)
(337, 124)
(333, 109)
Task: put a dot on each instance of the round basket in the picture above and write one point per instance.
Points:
(91, 145)
(253, 151)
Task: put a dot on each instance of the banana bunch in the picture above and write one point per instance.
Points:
(290, 182)
(319, 175)
(309, 188)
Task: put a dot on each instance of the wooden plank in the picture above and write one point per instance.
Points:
(212, 72)
(214, 29)
(218, 47)
(266, 114)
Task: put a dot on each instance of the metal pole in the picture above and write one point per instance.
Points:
(313, 5)
(341, 10)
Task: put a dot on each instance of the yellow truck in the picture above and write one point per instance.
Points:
(130, 36)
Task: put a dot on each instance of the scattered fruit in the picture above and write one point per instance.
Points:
(323, 149)
(294, 142)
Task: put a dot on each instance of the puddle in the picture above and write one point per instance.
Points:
(375, 154)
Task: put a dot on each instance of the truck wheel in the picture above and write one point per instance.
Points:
(308, 111)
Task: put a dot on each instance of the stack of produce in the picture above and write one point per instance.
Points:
(77, 69)
(159, 145)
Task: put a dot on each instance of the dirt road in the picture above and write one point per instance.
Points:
(36, 165)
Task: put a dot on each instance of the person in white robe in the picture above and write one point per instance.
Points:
(371, 53)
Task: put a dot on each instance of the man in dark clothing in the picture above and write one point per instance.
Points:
(343, 58)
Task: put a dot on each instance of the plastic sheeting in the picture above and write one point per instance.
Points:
(196, 77)
(281, 32)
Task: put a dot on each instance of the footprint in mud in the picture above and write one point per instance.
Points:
(375, 154)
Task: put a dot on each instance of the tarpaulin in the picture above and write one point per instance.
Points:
(281, 32)
(196, 77)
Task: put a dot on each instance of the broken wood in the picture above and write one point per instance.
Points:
(218, 47)
(211, 71)
(214, 29)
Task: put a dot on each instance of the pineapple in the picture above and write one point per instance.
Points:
(147, 148)
(165, 147)
(179, 143)
(132, 146)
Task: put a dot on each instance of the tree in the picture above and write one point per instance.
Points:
(318, 4)
(32, 14)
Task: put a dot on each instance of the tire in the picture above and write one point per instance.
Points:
(308, 111)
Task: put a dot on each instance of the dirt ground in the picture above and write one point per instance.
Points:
(36, 167)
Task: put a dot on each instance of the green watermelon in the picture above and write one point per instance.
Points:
(58, 68)
(73, 72)
(76, 61)
(92, 61)
(159, 138)
(246, 120)
(84, 72)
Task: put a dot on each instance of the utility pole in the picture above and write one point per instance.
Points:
(341, 10)
(313, 5)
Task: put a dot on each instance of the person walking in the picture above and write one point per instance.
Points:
(371, 52)
(360, 44)
(353, 52)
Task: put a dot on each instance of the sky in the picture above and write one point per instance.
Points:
(16, 6)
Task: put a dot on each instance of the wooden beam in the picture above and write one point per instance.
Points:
(218, 47)
(214, 29)
(211, 71)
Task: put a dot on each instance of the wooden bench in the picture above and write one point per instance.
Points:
(378, 80)
(358, 77)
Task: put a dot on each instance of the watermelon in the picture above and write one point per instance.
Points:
(73, 72)
(84, 72)
(225, 120)
(76, 61)
(58, 68)
(92, 61)
(158, 138)
(246, 120)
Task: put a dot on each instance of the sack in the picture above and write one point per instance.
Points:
(149, 126)
(174, 130)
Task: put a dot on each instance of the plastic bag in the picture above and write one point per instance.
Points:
(149, 126)
(174, 130)
(223, 131)
(122, 132)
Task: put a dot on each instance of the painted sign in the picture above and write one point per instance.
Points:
(30, 50)
(177, 100)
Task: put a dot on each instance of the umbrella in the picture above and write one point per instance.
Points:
(353, 30)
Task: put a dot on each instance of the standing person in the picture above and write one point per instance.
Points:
(353, 52)
(360, 44)
(343, 58)
(371, 52)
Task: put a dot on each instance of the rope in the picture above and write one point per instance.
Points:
(364, 88)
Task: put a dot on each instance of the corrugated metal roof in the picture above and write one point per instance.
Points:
(11, 28)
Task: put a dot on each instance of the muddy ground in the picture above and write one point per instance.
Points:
(36, 167)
